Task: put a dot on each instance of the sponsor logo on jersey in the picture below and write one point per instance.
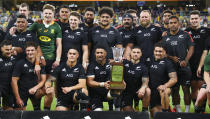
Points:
(71, 36)
(44, 39)
(173, 43)
(8, 64)
(154, 66)
(147, 34)
(131, 72)
(104, 35)
(197, 36)
(22, 39)
(69, 75)
(127, 36)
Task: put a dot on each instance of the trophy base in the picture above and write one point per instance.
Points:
(117, 85)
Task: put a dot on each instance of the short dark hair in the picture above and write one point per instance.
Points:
(167, 11)
(76, 14)
(100, 47)
(195, 12)
(174, 17)
(74, 48)
(64, 6)
(5, 42)
(24, 5)
(90, 9)
(106, 10)
(31, 44)
(136, 47)
(21, 16)
(161, 45)
(131, 11)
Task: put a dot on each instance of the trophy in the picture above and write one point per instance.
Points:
(117, 69)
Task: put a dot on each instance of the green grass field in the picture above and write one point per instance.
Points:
(53, 106)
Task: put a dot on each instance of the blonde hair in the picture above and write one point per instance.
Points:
(49, 6)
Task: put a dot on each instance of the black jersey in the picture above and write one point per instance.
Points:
(178, 45)
(2, 35)
(20, 39)
(158, 72)
(73, 38)
(13, 23)
(145, 38)
(106, 37)
(207, 44)
(199, 36)
(100, 74)
(63, 26)
(133, 74)
(67, 77)
(6, 67)
(25, 71)
(127, 35)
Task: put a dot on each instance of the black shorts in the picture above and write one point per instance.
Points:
(65, 100)
(127, 98)
(184, 76)
(48, 66)
(24, 95)
(155, 99)
(96, 100)
(8, 97)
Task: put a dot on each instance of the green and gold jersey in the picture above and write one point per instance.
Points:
(47, 38)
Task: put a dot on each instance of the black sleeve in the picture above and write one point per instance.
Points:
(159, 34)
(90, 33)
(82, 73)
(84, 38)
(207, 43)
(18, 68)
(10, 25)
(145, 71)
(42, 70)
(35, 38)
(90, 70)
(170, 67)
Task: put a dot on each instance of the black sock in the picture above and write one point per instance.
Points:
(144, 109)
(197, 109)
(110, 105)
(165, 110)
(47, 108)
(194, 100)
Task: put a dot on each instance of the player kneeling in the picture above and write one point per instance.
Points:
(162, 77)
(136, 78)
(70, 83)
(25, 83)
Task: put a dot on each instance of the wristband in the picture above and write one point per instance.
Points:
(36, 63)
(42, 57)
(58, 59)
(101, 84)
